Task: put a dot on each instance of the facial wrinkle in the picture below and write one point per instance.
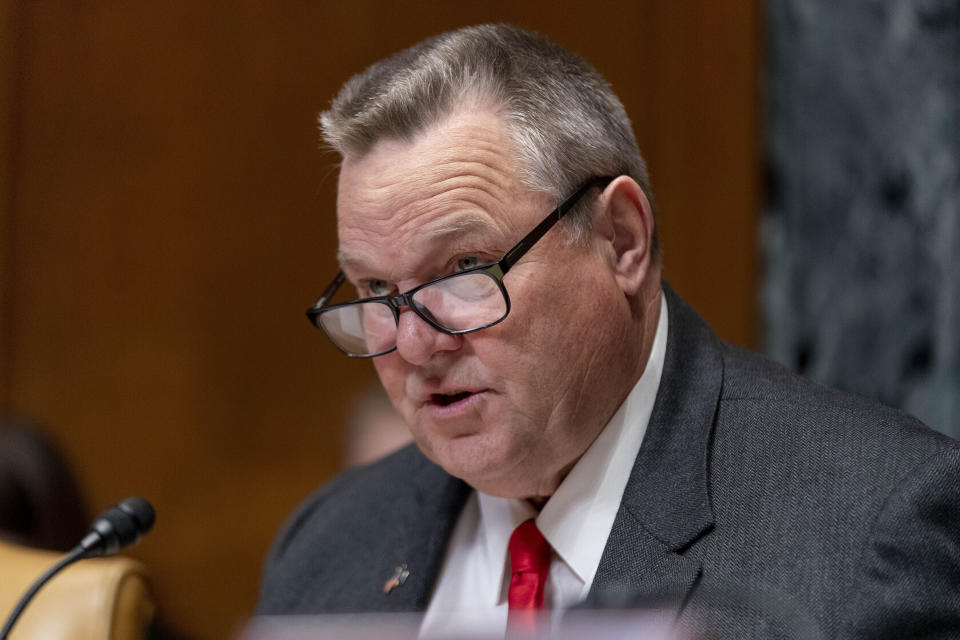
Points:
(410, 203)
(496, 190)
(413, 230)
(489, 162)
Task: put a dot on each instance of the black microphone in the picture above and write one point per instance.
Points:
(117, 527)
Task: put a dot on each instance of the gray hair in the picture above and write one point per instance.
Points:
(563, 117)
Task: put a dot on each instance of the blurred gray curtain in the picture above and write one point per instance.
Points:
(861, 232)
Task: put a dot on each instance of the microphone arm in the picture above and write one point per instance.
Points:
(117, 527)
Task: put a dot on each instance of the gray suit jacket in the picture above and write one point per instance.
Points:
(769, 505)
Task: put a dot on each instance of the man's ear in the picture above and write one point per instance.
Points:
(628, 228)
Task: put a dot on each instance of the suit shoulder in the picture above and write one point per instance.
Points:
(348, 494)
(347, 536)
(762, 392)
(749, 375)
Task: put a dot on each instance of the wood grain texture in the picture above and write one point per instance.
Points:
(10, 65)
(174, 217)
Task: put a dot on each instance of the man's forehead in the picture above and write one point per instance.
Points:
(458, 179)
(462, 142)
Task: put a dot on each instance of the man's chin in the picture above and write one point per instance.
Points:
(486, 471)
(472, 459)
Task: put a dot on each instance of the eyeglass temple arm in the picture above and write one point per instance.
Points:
(552, 218)
(330, 291)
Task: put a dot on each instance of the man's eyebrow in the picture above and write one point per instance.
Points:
(451, 226)
(458, 225)
(347, 261)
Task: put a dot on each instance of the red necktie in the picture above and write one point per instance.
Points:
(529, 566)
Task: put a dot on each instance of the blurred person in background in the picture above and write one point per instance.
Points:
(40, 503)
(374, 429)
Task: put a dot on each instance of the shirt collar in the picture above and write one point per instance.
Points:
(578, 517)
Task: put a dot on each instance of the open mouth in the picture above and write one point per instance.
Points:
(446, 399)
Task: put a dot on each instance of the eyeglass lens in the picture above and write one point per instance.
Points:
(459, 303)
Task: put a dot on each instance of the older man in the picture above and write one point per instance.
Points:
(581, 434)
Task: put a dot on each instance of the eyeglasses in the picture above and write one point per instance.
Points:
(459, 303)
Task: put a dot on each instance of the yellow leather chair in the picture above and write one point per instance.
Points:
(95, 599)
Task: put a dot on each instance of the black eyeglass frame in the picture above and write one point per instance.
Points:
(496, 271)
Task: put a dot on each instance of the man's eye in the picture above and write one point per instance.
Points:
(464, 264)
(379, 287)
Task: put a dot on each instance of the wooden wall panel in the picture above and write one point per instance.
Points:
(702, 143)
(9, 127)
(174, 217)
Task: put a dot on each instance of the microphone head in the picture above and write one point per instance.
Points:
(119, 526)
(141, 511)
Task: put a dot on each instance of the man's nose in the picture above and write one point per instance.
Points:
(417, 341)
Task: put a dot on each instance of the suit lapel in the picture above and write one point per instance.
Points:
(411, 559)
(666, 505)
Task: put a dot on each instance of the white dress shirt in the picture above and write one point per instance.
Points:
(470, 597)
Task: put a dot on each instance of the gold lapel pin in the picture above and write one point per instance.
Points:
(400, 575)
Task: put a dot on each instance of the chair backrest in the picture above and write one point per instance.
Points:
(96, 599)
